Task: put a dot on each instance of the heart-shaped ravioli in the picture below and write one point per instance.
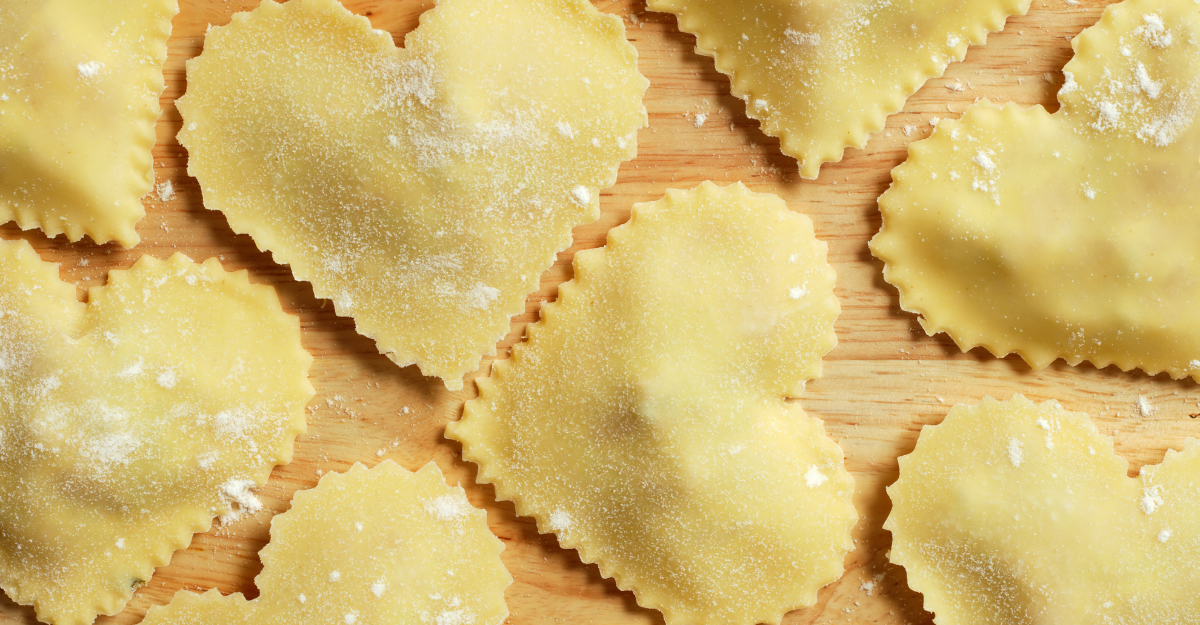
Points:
(1014, 512)
(823, 75)
(645, 423)
(1071, 234)
(79, 87)
(424, 190)
(129, 422)
(374, 546)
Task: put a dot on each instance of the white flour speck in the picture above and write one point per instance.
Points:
(581, 195)
(1152, 499)
(798, 38)
(207, 459)
(1163, 129)
(455, 617)
(237, 491)
(1146, 84)
(448, 507)
(1069, 84)
(167, 379)
(814, 478)
(481, 296)
(1154, 31)
(985, 161)
(107, 450)
(165, 191)
(1049, 426)
(90, 69)
(565, 130)
(1144, 407)
(561, 521)
(132, 370)
(1016, 452)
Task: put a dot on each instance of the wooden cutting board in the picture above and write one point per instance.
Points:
(883, 382)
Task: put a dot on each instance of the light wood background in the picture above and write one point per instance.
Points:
(883, 382)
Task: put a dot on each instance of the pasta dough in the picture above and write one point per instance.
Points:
(644, 420)
(823, 75)
(374, 546)
(127, 423)
(1068, 235)
(79, 87)
(1014, 512)
(423, 190)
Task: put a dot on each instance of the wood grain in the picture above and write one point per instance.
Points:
(883, 382)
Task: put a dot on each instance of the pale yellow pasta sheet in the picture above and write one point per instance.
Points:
(823, 75)
(1013, 512)
(644, 421)
(129, 422)
(79, 88)
(1067, 235)
(423, 190)
(378, 546)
